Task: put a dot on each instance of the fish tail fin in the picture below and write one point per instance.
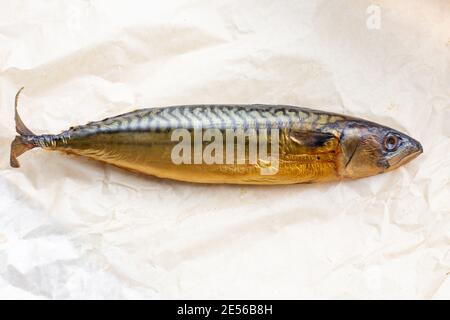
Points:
(20, 144)
(18, 147)
(21, 128)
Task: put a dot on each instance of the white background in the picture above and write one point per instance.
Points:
(73, 228)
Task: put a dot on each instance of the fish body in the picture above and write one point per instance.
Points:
(235, 144)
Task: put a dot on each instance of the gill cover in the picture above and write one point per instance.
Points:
(362, 155)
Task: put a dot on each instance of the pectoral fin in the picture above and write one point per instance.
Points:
(312, 139)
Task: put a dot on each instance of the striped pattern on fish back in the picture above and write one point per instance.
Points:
(212, 116)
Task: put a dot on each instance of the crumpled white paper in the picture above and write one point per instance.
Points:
(73, 228)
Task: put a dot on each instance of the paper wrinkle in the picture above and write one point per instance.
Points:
(72, 228)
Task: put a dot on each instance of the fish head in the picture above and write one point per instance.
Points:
(368, 149)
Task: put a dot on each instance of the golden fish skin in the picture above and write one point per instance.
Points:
(235, 144)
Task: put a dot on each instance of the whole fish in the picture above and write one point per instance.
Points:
(235, 144)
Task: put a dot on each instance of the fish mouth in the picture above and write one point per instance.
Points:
(414, 151)
(419, 148)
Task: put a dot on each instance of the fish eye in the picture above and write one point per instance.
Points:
(390, 142)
